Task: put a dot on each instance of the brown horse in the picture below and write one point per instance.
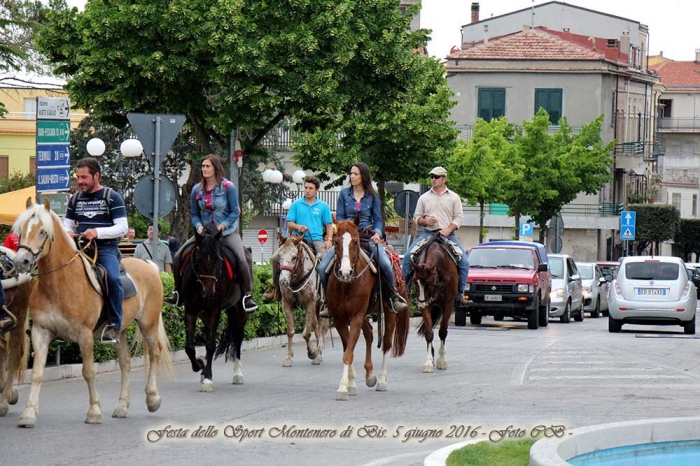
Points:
(13, 344)
(349, 293)
(64, 303)
(437, 281)
(298, 283)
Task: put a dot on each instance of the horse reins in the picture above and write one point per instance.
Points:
(200, 276)
(35, 255)
(297, 286)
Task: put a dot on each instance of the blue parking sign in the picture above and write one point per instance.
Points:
(527, 228)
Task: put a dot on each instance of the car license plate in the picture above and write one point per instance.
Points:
(493, 297)
(651, 291)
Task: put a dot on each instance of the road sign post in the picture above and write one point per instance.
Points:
(262, 238)
(628, 225)
(52, 144)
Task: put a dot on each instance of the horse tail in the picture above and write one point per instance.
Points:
(403, 324)
(166, 360)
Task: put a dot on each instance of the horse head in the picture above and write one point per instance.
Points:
(347, 249)
(426, 273)
(36, 228)
(291, 259)
(207, 259)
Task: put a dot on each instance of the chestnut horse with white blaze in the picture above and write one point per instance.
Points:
(351, 285)
(65, 304)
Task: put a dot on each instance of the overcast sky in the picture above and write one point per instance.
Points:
(673, 24)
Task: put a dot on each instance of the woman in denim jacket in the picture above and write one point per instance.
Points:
(215, 200)
(361, 199)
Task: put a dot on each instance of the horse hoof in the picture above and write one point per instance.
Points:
(428, 369)
(372, 381)
(237, 380)
(206, 386)
(352, 391)
(4, 409)
(341, 396)
(26, 421)
(119, 412)
(93, 419)
(153, 404)
(317, 361)
(381, 387)
(287, 363)
(311, 354)
(442, 366)
(15, 396)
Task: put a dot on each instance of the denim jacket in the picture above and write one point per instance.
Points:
(224, 203)
(370, 210)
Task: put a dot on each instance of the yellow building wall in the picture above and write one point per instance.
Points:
(18, 131)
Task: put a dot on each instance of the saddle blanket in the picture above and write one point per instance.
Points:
(453, 249)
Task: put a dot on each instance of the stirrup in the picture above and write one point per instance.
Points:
(173, 299)
(12, 321)
(397, 301)
(253, 307)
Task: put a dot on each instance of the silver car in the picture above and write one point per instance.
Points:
(652, 290)
(566, 297)
(595, 288)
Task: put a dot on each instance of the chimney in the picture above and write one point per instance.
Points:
(486, 33)
(625, 43)
(611, 51)
(566, 35)
(697, 55)
(475, 12)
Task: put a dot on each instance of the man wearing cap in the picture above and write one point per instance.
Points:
(439, 210)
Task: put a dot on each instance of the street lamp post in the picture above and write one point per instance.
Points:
(130, 148)
(274, 178)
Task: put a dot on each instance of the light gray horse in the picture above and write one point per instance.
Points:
(298, 283)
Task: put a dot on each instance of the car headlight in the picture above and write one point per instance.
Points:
(525, 288)
(558, 293)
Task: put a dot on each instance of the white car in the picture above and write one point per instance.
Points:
(652, 290)
(595, 288)
(566, 297)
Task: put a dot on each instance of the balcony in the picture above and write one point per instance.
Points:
(679, 125)
(648, 150)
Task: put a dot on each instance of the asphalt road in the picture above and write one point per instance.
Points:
(502, 379)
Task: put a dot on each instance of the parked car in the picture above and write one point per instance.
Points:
(652, 290)
(566, 298)
(595, 288)
(694, 274)
(609, 269)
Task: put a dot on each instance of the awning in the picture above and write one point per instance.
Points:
(14, 203)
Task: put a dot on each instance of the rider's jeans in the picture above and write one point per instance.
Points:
(108, 257)
(463, 263)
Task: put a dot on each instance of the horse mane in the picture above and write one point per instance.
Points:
(207, 241)
(48, 220)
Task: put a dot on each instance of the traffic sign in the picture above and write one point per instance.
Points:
(54, 155)
(262, 236)
(143, 196)
(144, 126)
(52, 179)
(52, 132)
(405, 203)
(52, 108)
(627, 233)
(527, 228)
(628, 218)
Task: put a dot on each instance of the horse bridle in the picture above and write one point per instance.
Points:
(300, 284)
(35, 256)
(430, 286)
(353, 277)
(199, 275)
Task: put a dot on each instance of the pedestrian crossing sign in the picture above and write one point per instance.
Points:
(627, 234)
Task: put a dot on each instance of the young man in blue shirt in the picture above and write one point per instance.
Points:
(312, 218)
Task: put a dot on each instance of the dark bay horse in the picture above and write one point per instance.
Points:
(298, 283)
(209, 288)
(349, 294)
(14, 344)
(436, 278)
(65, 303)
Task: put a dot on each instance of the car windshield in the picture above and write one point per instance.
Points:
(556, 266)
(609, 269)
(586, 271)
(486, 258)
(651, 270)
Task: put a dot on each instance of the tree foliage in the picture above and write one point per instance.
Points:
(655, 224)
(688, 236)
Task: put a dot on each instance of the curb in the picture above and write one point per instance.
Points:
(66, 371)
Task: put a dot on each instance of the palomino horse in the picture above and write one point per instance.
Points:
(209, 287)
(298, 283)
(65, 304)
(14, 344)
(437, 280)
(350, 290)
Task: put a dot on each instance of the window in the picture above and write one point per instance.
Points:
(676, 201)
(29, 108)
(695, 205)
(550, 100)
(4, 166)
(492, 103)
(665, 108)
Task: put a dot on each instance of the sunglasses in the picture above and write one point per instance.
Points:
(435, 177)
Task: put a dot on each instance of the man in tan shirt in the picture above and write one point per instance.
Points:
(439, 210)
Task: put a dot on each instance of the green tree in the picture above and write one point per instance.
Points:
(239, 64)
(656, 223)
(688, 237)
(477, 170)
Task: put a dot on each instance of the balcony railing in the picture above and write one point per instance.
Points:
(679, 124)
(648, 150)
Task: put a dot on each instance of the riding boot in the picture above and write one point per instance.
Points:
(7, 319)
(398, 304)
(246, 280)
(325, 312)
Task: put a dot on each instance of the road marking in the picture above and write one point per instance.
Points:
(597, 369)
(579, 377)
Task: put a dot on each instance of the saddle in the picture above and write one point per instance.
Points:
(229, 259)
(449, 246)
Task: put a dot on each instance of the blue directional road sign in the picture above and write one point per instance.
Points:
(54, 155)
(628, 221)
(526, 228)
(52, 179)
